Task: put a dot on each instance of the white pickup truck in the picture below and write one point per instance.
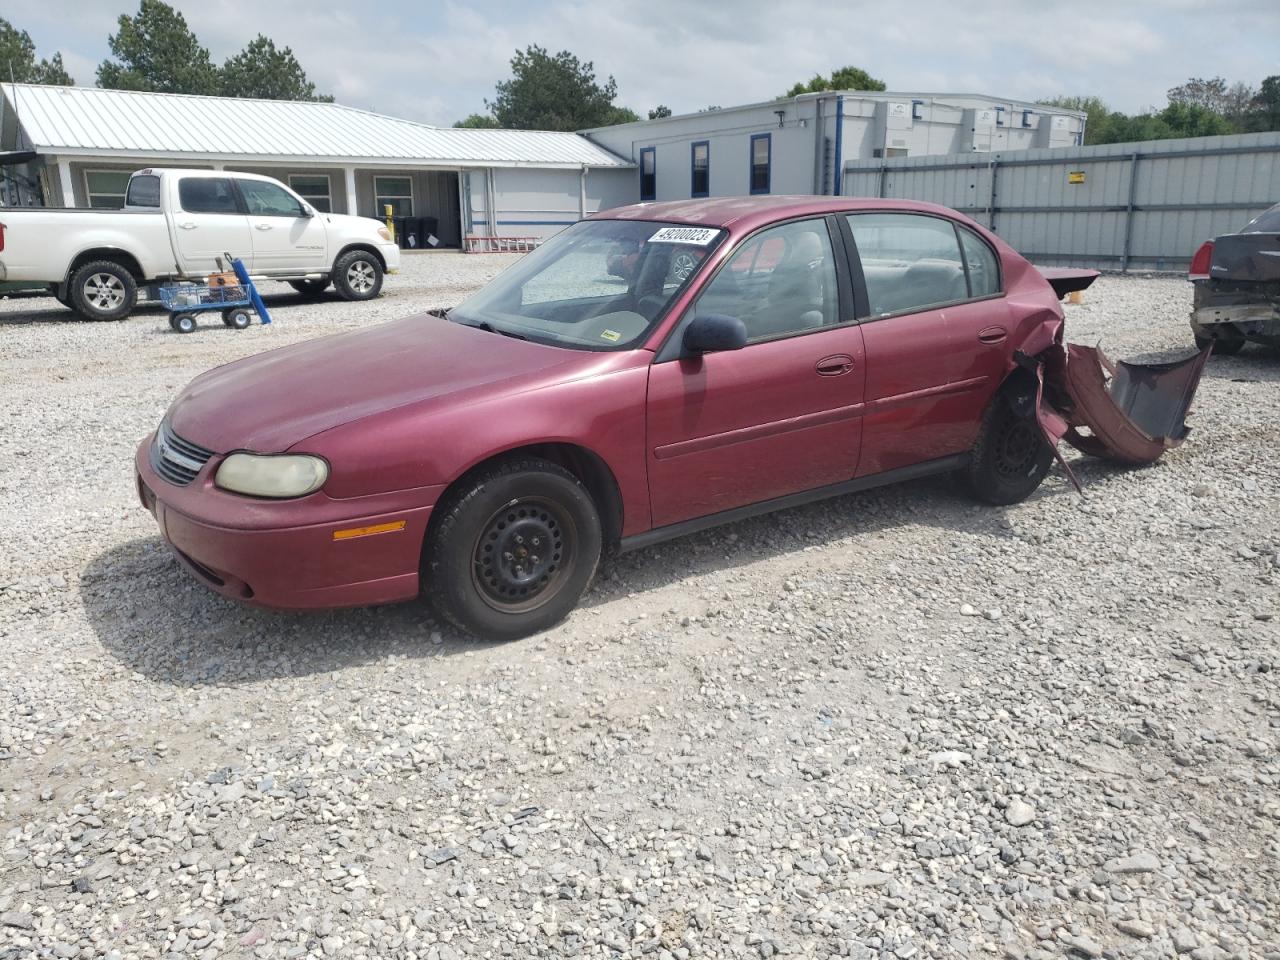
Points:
(175, 224)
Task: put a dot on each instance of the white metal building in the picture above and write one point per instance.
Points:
(76, 146)
(802, 145)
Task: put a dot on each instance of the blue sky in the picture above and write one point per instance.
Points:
(437, 61)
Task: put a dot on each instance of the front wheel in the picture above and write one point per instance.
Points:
(237, 318)
(103, 290)
(513, 550)
(357, 275)
(1010, 457)
(183, 322)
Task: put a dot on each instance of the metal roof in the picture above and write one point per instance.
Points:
(88, 121)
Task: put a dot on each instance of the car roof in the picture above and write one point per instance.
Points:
(746, 213)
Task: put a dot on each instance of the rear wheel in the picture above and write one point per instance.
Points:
(357, 275)
(310, 288)
(237, 318)
(1010, 457)
(1222, 346)
(514, 549)
(103, 290)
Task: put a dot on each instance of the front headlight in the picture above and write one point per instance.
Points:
(385, 234)
(290, 475)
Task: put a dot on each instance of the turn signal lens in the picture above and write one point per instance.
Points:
(385, 234)
(279, 477)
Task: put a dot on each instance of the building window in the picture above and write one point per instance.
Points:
(313, 188)
(105, 188)
(761, 157)
(1026, 117)
(915, 109)
(397, 191)
(999, 116)
(700, 160)
(648, 174)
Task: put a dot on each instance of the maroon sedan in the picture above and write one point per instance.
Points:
(756, 354)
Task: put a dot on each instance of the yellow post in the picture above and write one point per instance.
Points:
(391, 226)
(1075, 296)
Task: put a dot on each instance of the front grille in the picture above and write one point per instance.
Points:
(176, 459)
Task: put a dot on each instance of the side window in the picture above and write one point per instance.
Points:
(144, 191)
(909, 261)
(780, 281)
(980, 260)
(207, 195)
(263, 199)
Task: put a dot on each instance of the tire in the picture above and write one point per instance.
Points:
(471, 576)
(310, 288)
(1222, 346)
(103, 290)
(237, 318)
(1010, 457)
(357, 275)
(183, 322)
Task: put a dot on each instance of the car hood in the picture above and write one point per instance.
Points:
(271, 401)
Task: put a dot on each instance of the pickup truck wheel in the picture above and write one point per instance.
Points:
(513, 550)
(1010, 457)
(103, 290)
(310, 288)
(357, 275)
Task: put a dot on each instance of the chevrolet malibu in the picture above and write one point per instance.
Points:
(752, 355)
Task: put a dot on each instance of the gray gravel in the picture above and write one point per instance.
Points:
(893, 725)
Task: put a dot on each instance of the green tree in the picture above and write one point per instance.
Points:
(557, 92)
(478, 121)
(1210, 94)
(1265, 112)
(261, 70)
(846, 78)
(18, 59)
(660, 111)
(156, 50)
(1100, 122)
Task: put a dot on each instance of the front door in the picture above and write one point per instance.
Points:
(782, 414)
(286, 239)
(209, 223)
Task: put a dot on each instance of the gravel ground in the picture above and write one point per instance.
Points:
(892, 725)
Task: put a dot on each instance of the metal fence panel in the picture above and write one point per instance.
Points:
(1114, 206)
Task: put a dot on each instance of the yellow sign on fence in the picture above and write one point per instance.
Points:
(1075, 176)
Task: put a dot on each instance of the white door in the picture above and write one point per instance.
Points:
(287, 237)
(208, 222)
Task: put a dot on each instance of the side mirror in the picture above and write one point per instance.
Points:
(714, 332)
(308, 211)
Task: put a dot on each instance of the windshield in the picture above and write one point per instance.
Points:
(1266, 222)
(599, 285)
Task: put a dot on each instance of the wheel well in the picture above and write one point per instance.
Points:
(587, 466)
(367, 248)
(126, 260)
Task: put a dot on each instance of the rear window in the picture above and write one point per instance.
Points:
(207, 195)
(144, 191)
(1266, 222)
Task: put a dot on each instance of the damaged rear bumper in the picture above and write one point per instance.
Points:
(1127, 412)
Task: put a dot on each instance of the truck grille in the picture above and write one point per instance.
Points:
(176, 459)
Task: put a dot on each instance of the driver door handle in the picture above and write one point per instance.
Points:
(834, 366)
(262, 226)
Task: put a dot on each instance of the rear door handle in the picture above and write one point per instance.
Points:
(262, 226)
(834, 366)
(993, 335)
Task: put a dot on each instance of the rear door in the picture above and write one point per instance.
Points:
(208, 222)
(779, 416)
(287, 238)
(923, 377)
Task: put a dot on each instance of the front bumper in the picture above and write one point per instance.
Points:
(283, 554)
(390, 253)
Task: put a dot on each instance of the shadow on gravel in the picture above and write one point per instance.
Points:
(160, 622)
(49, 310)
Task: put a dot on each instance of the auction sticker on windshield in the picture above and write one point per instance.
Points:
(699, 236)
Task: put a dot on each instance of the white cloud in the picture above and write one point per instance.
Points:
(438, 61)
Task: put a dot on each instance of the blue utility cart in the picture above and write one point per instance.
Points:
(237, 302)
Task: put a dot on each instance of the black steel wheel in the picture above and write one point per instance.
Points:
(511, 549)
(1010, 457)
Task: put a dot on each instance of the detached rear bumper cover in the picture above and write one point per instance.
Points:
(1134, 412)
